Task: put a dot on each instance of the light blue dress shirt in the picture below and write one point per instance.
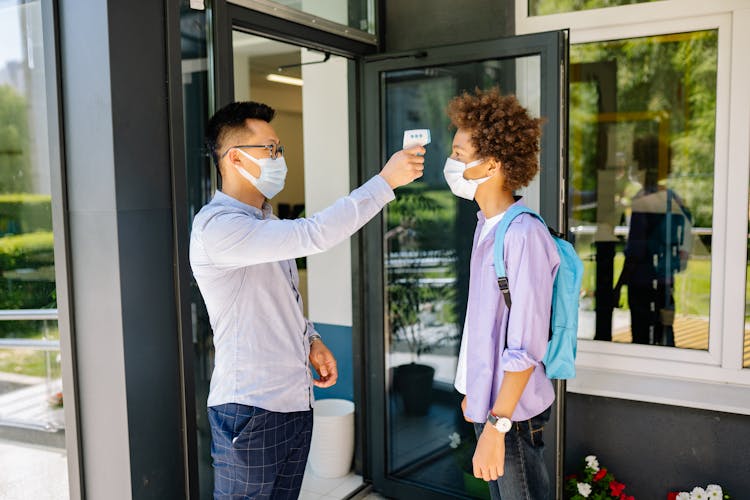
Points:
(243, 261)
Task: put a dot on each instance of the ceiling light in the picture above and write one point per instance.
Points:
(289, 80)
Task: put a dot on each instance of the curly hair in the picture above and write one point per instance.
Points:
(232, 117)
(500, 129)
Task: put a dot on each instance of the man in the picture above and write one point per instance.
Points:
(243, 261)
(507, 393)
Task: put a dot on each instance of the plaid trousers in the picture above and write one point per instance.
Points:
(258, 453)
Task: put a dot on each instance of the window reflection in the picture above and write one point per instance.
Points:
(544, 7)
(642, 123)
(31, 402)
(358, 14)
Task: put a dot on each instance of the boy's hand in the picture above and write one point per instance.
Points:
(463, 410)
(489, 457)
(403, 167)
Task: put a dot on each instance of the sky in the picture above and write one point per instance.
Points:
(10, 33)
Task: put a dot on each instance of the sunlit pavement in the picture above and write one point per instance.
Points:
(32, 472)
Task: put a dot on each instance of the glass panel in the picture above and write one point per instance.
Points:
(428, 246)
(358, 14)
(642, 123)
(31, 401)
(544, 7)
(196, 92)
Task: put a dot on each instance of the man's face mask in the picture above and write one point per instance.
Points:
(454, 175)
(272, 174)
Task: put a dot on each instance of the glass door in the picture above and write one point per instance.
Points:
(417, 258)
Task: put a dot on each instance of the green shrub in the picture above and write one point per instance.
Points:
(27, 278)
(25, 213)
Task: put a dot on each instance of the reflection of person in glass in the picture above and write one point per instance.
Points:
(657, 248)
(500, 370)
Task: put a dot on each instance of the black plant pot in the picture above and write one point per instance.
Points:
(414, 383)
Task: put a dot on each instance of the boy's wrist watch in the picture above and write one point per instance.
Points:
(502, 424)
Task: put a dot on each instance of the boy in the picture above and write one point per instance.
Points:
(506, 391)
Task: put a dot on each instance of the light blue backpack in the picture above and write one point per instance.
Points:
(559, 360)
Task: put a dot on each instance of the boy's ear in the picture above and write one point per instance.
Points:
(494, 166)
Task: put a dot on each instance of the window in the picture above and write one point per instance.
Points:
(642, 143)
(31, 401)
(545, 7)
(358, 14)
(640, 95)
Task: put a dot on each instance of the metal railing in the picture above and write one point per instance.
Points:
(29, 315)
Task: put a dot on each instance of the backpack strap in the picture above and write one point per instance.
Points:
(499, 248)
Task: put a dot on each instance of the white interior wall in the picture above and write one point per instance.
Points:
(326, 136)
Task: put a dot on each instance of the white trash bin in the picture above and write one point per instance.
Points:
(332, 447)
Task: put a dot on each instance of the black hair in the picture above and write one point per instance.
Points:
(233, 116)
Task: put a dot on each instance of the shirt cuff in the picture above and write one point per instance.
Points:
(380, 190)
(517, 360)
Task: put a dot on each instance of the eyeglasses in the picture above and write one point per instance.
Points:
(274, 150)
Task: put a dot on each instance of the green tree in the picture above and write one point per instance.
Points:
(14, 142)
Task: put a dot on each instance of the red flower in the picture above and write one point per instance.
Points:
(672, 495)
(602, 472)
(626, 497)
(616, 488)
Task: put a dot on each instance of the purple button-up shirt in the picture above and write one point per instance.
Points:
(531, 261)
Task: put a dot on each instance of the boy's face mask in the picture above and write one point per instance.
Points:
(454, 175)
(272, 174)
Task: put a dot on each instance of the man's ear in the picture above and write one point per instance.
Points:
(234, 157)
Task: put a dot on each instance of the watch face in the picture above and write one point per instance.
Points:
(503, 424)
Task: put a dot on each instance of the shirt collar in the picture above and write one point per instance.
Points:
(482, 219)
(224, 199)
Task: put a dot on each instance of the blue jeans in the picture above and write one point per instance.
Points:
(525, 476)
(258, 453)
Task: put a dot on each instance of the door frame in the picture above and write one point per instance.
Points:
(552, 47)
(227, 17)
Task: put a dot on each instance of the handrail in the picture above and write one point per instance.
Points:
(623, 230)
(33, 344)
(28, 314)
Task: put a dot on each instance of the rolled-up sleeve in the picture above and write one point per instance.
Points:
(231, 239)
(531, 261)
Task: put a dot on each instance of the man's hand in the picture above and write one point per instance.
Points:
(324, 363)
(403, 167)
(489, 457)
(463, 410)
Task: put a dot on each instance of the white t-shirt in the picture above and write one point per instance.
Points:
(461, 369)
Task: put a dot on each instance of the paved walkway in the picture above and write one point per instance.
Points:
(32, 472)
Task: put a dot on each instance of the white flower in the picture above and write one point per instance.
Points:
(684, 495)
(592, 463)
(714, 491)
(698, 493)
(455, 440)
(584, 489)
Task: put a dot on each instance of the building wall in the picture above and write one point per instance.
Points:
(329, 274)
(656, 448)
(413, 25)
